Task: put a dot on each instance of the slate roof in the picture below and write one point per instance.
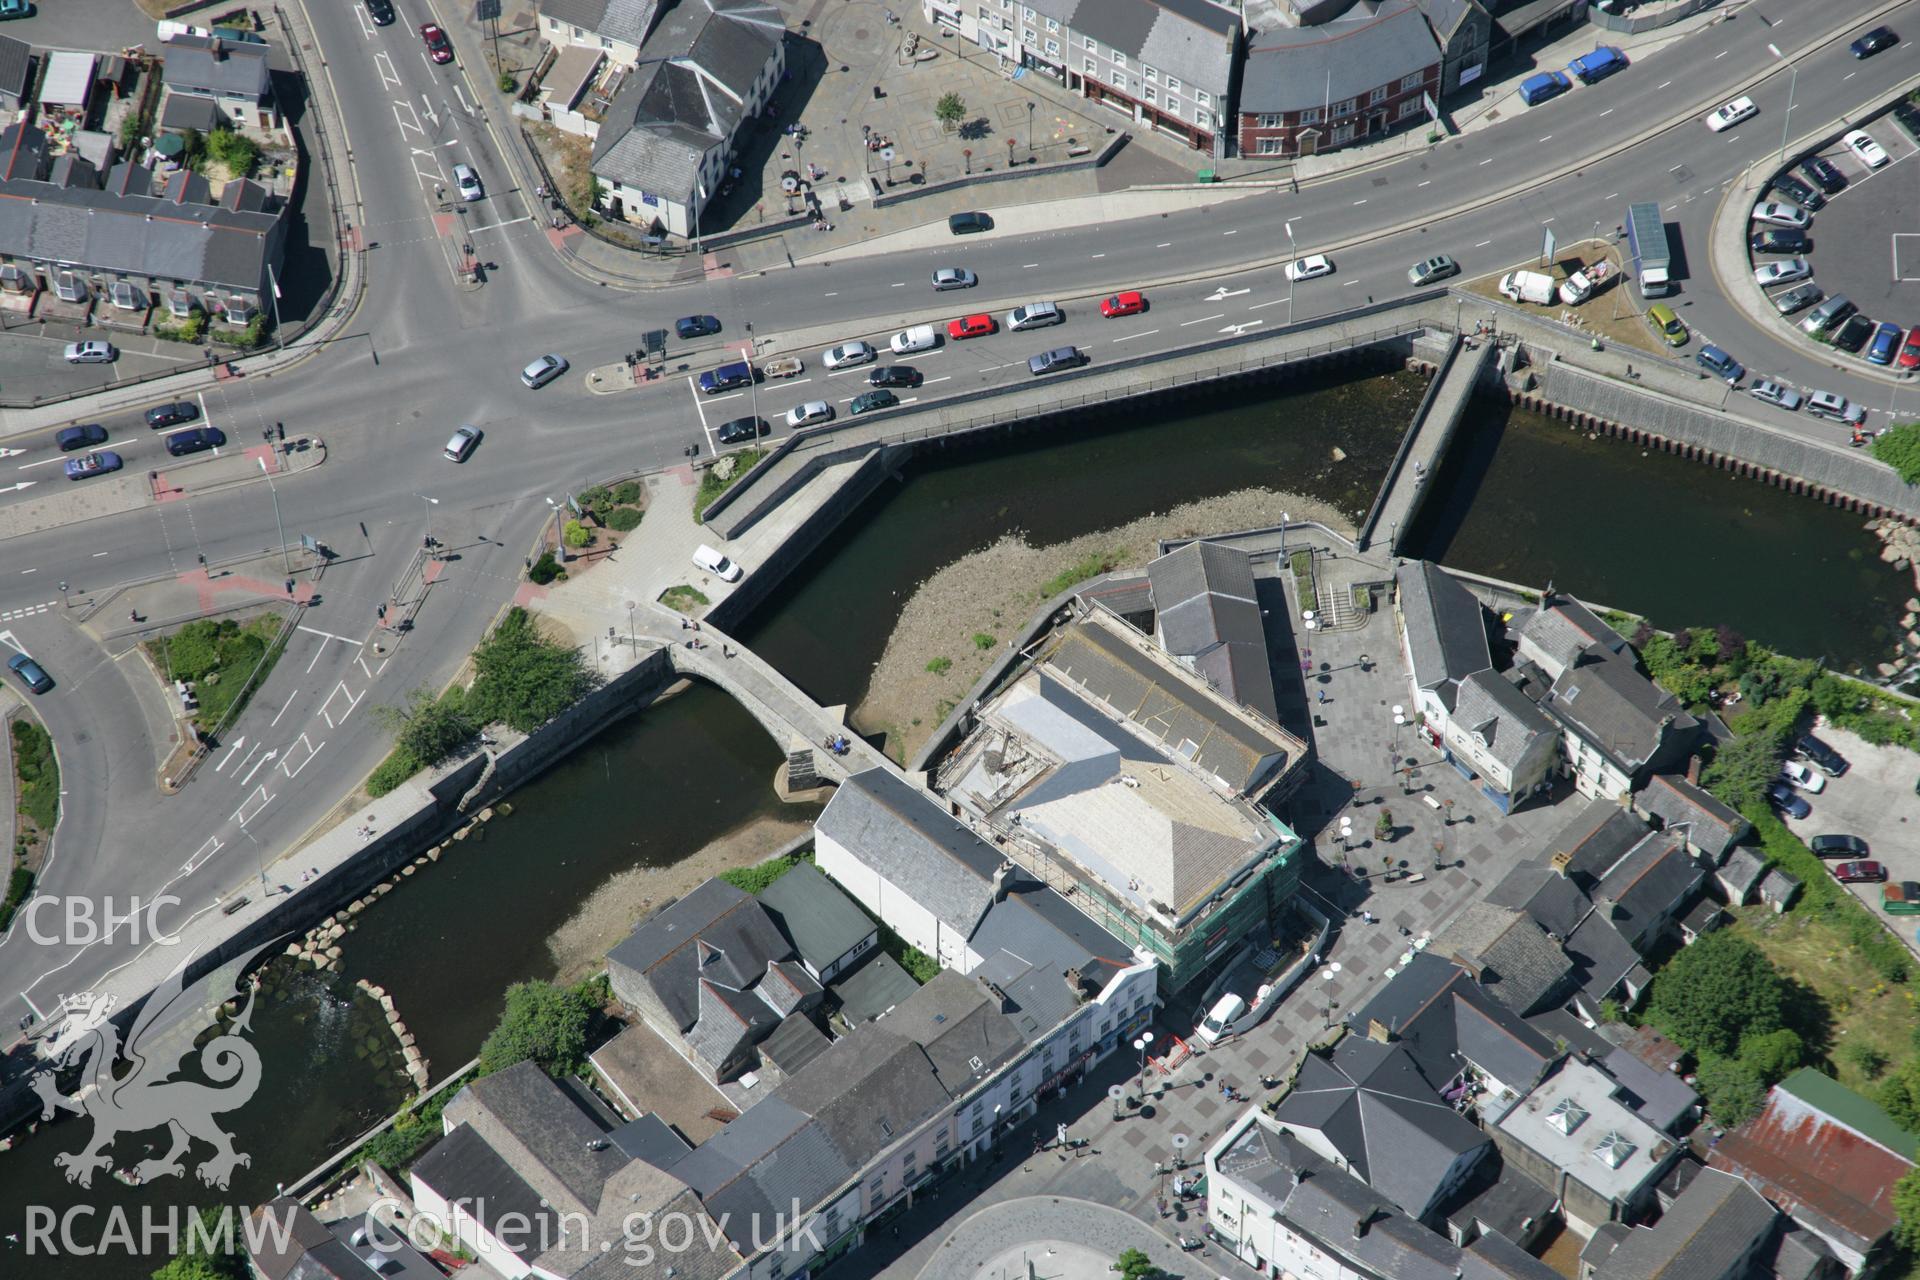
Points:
(750, 1173)
(955, 1023)
(190, 111)
(651, 1139)
(1717, 1221)
(1206, 610)
(1501, 716)
(541, 1131)
(715, 940)
(1563, 629)
(1551, 900)
(1499, 1198)
(1798, 1254)
(1446, 629)
(870, 990)
(16, 62)
(1778, 887)
(625, 20)
(822, 922)
(1656, 872)
(218, 66)
(1028, 943)
(793, 1044)
(1445, 15)
(1515, 959)
(463, 1167)
(1595, 839)
(126, 228)
(1601, 957)
(1434, 1008)
(1741, 874)
(1661, 1098)
(1369, 1102)
(1625, 716)
(1494, 1257)
(670, 113)
(1716, 828)
(1291, 68)
(302, 1230)
(1190, 39)
(868, 1091)
(903, 835)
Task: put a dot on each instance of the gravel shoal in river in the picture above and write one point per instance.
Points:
(993, 592)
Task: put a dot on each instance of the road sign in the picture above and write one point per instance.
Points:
(486, 10)
(1546, 246)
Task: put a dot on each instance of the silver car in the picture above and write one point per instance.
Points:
(1778, 213)
(94, 351)
(1438, 267)
(1774, 394)
(1781, 272)
(953, 278)
(544, 370)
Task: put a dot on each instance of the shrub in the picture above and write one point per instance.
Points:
(523, 679)
(541, 1022)
(940, 666)
(1772, 1055)
(627, 493)
(391, 772)
(1899, 448)
(576, 535)
(1868, 1059)
(414, 1129)
(193, 650)
(624, 519)
(427, 728)
(507, 83)
(19, 885)
(38, 771)
(234, 150)
(544, 570)
(982, 641)
(757, 877)
(1091, 565)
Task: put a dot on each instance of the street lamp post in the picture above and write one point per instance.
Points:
(431, 504)
(1793, 84)
(1293, 256)
(63, 594)
(286, 559)
(1030, 156)
(1327, 975)
(1145, 1039)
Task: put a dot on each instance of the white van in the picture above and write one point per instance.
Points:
(1227, 1010)
(920, 337)
(705, 557)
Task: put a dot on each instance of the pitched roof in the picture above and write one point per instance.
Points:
(541, 1131)
(1445, 626)
(462, 1167)
(1627, 717)
(1502, 717)
(282, 1247)
(822, 922)
(1030, 942)
(16, 60)
(1671, 798)
(1601, 955)
(1551, 900)
(1563, 629)
(870, 990)
(749, 1174)
(716, 940)
(867, 1091)
(1654, 874)
(1513, 957)
(903, 835)
(1661, 1098)
(956, 1025)
(1441, 1015)
(1445, 16)
(1291, 68)
(1594, 841)
(1206, 610)
(1741, 872)
(1717, 1221)
(1190, 39)
(1494, 1257)
(216, 65)
(625, 20)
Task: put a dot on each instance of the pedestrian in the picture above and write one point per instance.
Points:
(683, 624)
(1323, 696)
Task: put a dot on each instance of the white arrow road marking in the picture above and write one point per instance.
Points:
(258, 765)
(227, 758)
(1243, 326)
(24, 484)
(11, 453)
(1223, 293)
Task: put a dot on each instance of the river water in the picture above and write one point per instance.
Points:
(1522, 499)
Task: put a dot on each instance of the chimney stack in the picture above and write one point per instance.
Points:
(1000, 879)
(1560, 862)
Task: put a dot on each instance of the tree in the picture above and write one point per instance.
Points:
(542, 1022)
(1906, 1209)
(430, 729)
(1741, 769)
(1733, 1089)
(1731, 644)
(524, 679)
(1383, 827)
(1714, 992)
(196, 1263)
(1132, 1264)
(1772, 1055)
(1683, 641)
(1899, 1095)
(950, 110)
(1899, 448)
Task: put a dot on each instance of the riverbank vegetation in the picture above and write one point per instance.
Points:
(1899, 447)
(546, 1024)
(415, 1128)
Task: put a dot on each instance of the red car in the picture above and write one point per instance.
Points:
(1910, 349)
(439, 48)
(1866, 872)
(1130, 303)
(970, 327)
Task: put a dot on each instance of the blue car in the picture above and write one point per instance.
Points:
(1788, 801)
(1885, 344)
(1598, 65)
(1535, 90)
(1720, 364)
(690, 327)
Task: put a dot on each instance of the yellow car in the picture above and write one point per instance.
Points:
(1668, 325)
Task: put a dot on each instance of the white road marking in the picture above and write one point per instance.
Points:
(98, 554)
(226, 757)
(1234, 232)
(1201, 320)
(1028, 266)
(259, 794)
(1488, 160)
(1099, 255)
(900, 285)
(1607, 112)
(384, 64)
(284, 708)
(1259, 306)
(312, 751)
(1720, 55)
(1665, 85)
(830, 295)
(1548, 138)
(264, 760)
(1165, 244)
(1359, 202)
(693, 389)
(205, 851)
(1545, 221)
(25, 466)
(945, 377)
(315, 631)
(1483, 244)
(495, 226)
(1427, 183)
(1130, 337)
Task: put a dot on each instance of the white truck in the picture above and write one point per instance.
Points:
(1528, 286)
(1578, 287)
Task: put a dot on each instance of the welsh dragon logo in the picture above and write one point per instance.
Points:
(146, 1097)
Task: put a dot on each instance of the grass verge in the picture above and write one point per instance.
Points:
(1091, 565)
(684, 599)
(722, 476)
(224, 661)
(37, 775)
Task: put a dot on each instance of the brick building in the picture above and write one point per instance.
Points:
(1310, 89)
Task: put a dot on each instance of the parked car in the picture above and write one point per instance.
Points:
(1055, 360)
(966, 224)
(1428, 270)
(93, 464)
(1885, 344)
(1719, 363)
(1864, 148)
(809, 414)
(381, 11)
(894, 375)
(1831, 762)
(869, 401)
(1598, 65)
(1866, 871)
(1799, 192)
(1835, 408)
(947, 278)
(1804, 776)
(67, 439)
(544, 370)
(93, 351)
(1831, 846)
(1307, 268)
(1828, 314)
(1785, 799)
(713, 562)
(29, 673)
(1034, 315)
(1873, 42)
(467, 182)
(727, 377)
(195, 440)
(439, 48)
(1778, 214)
(1825, 174)
(1671, 328)
(1731, 114)
(1909, 357)
(691, 327)
(1780, 240)
(848, 354)
(162, 416)
(970, 327)
(1130, 302)
(1853, 335)
(1775, 394)
(1536, 89)
(15, 9)
(741, 431)
(460, 444)
(1791, 300)
(1782, 272)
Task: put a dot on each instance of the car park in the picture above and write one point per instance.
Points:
(1310, 267)
(726, 378)
(713, 562)
(1598, 65)
(1536, 89)
(1719, 363)
(1837, 846)
(1774, 393)
(1783, 797)
(848, 354)
(1873, 42)
(1831, 762)
(83, 436)
(1909, 357)
(741, 431)
(1777, 214)
(1034, 315)
(544, 370)
(869, 401)
(1885, 343)
(953, 278)
(1804, 776)
(1835, 408)
(1791, 300)
(1428, 270)
(1853, 335)
(467, 182)
(93, 464)
(1731, 114)
(29, 673)
(1865, 871)
(1783, 272)
(439, 48)
(810, 414)
(894, 375)
(690, 327)
(1864, 148)
(381, 11)
(1799, 192)
(162, 416)
(1827, 314)
(1055, 360)
(195, 440)
(970, 327)
(1780, 240)
(460, 444)
(1824, 173)
(1130, 302)
(967, 224)
(1671, 328)
(93, 351)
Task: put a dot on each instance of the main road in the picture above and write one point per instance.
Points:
(428, 353)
